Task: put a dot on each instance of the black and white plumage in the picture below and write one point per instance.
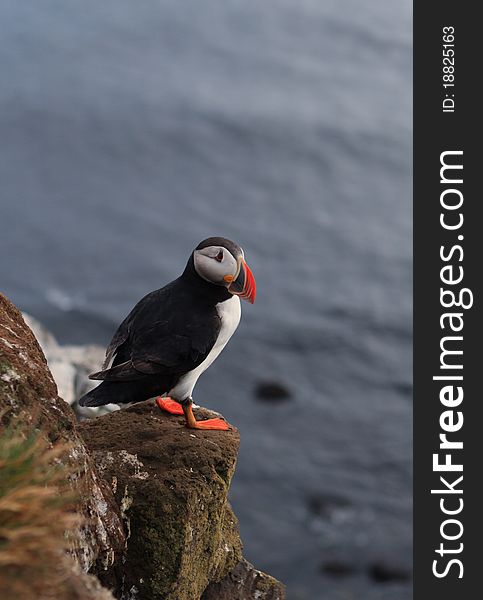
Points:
(174, 334)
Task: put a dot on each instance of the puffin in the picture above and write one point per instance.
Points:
(174, 334)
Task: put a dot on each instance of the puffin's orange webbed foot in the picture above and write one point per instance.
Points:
(216, 424)
(169, 405)
(192, 423)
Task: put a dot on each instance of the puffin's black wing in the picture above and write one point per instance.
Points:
(122, 333)
(163, 335)
(118, 340)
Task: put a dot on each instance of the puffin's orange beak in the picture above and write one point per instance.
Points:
(244, 285)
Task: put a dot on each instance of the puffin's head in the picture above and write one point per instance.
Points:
(222, 262)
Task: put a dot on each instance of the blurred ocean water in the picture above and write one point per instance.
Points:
(131, 131)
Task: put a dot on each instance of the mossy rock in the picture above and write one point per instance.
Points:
(173, 484)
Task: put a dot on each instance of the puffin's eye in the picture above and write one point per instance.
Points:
(219, 256)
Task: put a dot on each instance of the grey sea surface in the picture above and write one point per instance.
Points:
(132, 130)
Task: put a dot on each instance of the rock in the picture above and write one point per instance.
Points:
(244, 582)
(326, 506)
(272, 391)
(172, 484)
(338, 568)
(28, 399)
(382, 572)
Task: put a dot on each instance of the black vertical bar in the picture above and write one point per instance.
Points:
(441, 127)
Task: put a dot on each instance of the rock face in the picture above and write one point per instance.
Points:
(28, 397)
(153, 494)
(244, 582)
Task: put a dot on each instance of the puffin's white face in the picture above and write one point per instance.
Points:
(216, 265)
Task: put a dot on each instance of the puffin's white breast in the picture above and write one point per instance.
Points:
(230, 314)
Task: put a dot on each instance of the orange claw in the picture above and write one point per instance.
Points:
(169, 405)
